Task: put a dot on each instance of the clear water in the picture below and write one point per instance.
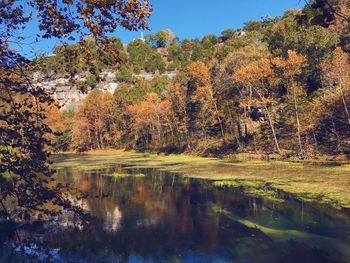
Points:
(166, 218)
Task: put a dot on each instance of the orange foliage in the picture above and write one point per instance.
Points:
(292, 66)
(151, 117)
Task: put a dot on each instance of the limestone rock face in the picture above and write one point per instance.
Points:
(69, 97)
(66, 92)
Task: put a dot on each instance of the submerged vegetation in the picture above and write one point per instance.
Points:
(315, 241)
(250, 188)
(123, 175)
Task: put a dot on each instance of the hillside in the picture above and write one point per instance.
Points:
(274, 86)
(73, 71)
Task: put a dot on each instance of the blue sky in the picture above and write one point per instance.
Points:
(186, 18)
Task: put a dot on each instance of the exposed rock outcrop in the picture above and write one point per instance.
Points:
(69, 97)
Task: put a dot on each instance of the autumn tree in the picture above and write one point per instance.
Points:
(23, 131)
(60, 123)
(95, 126)
(25, 174)
(336, 76)
(202, 95)
(150, 120)
(258, 81)
(194, 105)
(289, 70)
(229, 94)
(177, 95)
(332, 102)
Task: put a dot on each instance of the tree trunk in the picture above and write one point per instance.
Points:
(101, 140)
(97, 139)
(245, 132)
(297, 120)
(315, 140)
(271, 124)
(220, 121)
(336, 135)
(235, 137)
(345, 107)
(272, 129)
(239, 129)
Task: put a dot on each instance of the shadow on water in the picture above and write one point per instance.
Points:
(162, 217)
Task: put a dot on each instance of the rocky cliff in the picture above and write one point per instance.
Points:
(69, 97)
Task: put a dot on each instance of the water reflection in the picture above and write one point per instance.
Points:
(112, 220)
(164, 218)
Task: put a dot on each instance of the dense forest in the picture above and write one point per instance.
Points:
(277, 85)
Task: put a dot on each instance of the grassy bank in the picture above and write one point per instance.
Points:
(324, 182)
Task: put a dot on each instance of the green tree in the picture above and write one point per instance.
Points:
(253, 25)
(314, 42)
(155, 62)
(210, 40)
(161, 39)
(227, 34)
(139, 52)
(124, 73)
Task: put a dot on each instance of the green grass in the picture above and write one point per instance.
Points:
(312, 182)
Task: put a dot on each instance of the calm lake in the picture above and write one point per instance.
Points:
(145, 215)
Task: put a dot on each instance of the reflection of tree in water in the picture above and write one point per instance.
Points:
(155, 202)
(162, 215)
(100, 183)
(112, 220)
